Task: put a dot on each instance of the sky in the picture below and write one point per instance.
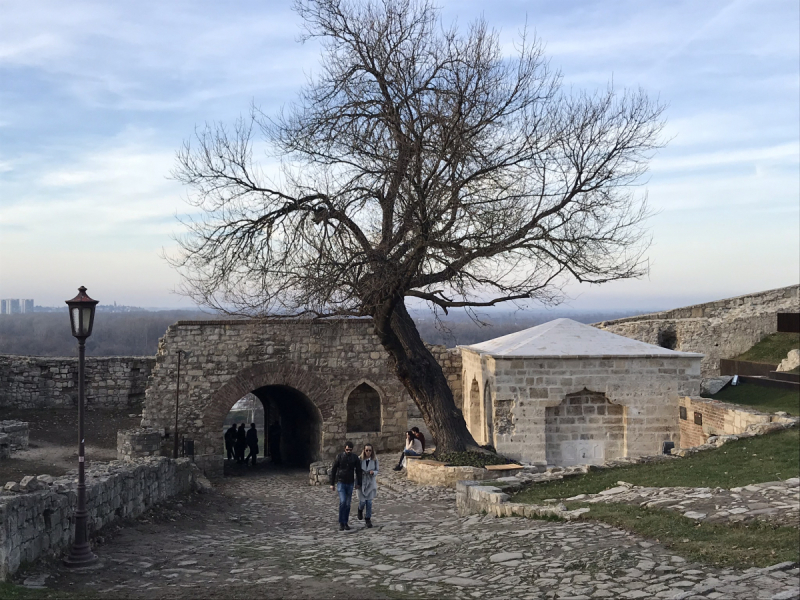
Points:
(96, 98)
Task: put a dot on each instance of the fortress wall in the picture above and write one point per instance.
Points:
(43, 382)
(37, 516)
(719, 329)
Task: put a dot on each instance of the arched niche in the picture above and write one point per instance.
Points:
(364, 409)
(488, 410)
(475, 420)
(585, 428)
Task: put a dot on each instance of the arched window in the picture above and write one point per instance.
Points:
(475, 421)
(364, 409)
(487, 410)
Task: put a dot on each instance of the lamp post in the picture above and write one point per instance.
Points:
(177, 399)
(81, 318)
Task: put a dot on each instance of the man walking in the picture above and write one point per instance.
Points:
(252, 443)
(230, 440)
(345, 473)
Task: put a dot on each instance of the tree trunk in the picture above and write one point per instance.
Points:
(423, 377)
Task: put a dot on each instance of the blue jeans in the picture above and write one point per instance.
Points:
(368, 504)
(411, 453)
(345, 495)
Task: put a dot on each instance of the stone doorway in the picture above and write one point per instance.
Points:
(300, 424)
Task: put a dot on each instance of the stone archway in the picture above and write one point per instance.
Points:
(488, 410)
(302, 400)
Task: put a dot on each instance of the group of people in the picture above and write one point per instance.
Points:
(360, 472)
(237, 440)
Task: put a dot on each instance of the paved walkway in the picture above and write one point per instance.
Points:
(776, 501)
(273, 535)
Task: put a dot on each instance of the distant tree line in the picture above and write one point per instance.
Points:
(115, 334)
(137, 333)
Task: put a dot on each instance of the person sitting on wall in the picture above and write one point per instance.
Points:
(230, 440)
(241, 444)
(420, 437)
(413, 448)
(252, 443)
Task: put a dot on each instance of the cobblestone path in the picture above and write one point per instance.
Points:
(273, 535)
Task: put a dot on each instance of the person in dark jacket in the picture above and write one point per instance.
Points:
(241, 444)
(230, 440)
(252, 444)
(345, 473)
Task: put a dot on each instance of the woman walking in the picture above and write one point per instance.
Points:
(369, 483)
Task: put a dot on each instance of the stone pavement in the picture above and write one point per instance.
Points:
(270, 534)
(777, 501)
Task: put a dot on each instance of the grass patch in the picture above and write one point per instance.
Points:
(9, 591)
(471, 459)
(772, 349)
(753, 460)
(734, 545)
(766, 399)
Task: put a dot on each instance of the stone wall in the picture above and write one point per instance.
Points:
(17, 432)
(42, 382)
(37, 515)
(435, 473)
(720, 329)
(574, 428)
(138, 443)
(309, 366)
(706, 418)
(521, 390)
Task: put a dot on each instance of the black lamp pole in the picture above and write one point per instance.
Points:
(177, 398)
(81, 313)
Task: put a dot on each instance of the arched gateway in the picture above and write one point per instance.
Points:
(307, 370)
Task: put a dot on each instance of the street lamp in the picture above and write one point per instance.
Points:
(81, 318)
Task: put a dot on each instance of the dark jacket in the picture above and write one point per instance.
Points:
(241, 437)
(230, 435)
(252, 437)
(346, 469)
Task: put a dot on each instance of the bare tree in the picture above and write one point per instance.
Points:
(419, 163)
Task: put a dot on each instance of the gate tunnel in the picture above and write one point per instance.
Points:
(300, 424)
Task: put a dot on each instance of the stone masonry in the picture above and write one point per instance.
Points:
(42, 382)
(17, 432)
(37, 514)
(312, 365)
(647, 389)
(720, 329)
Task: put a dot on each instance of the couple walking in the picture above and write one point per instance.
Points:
(361, 472)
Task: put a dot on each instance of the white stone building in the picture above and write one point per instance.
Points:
(565, 393)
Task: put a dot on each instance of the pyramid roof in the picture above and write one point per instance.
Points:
(565, 337)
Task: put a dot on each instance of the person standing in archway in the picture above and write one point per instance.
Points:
(252, 444)
(230, 440)
(345, 473)
(241, 443)
(369, 483)
(274, 433)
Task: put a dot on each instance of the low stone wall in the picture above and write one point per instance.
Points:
(37, 514)
(706, 418)
(474, 498)
(43, 382)
(17, 432)
(138, 443)
(432, 472)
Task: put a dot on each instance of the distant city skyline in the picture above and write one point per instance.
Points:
(97, 97)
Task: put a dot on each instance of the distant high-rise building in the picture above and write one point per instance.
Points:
(13, 306)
